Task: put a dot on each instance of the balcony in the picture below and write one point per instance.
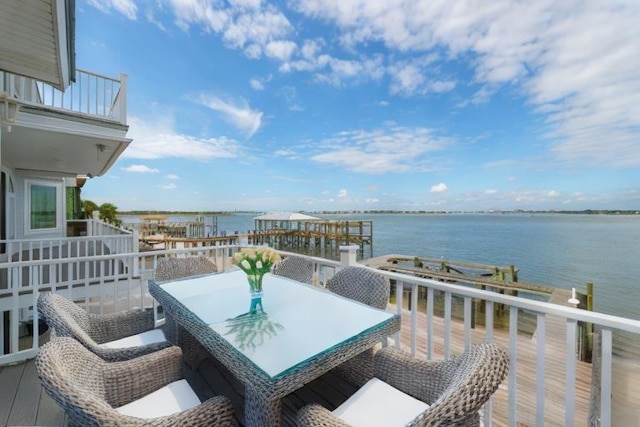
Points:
(547, 384)
(79, 131)
(91, 95)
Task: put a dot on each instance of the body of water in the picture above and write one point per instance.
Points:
(555, 250)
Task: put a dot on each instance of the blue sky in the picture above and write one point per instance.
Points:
(366, 104)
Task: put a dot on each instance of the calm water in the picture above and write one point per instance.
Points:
(562, 251)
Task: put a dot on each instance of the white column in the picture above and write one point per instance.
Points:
(348, 254)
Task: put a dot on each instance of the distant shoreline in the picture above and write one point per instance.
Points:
(394, 212)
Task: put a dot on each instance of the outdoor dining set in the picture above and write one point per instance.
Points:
(120, 369)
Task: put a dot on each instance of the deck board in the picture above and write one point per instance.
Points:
(27, 400)
(10, 379)
(49, 413)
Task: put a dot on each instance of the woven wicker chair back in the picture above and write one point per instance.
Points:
(66, 318)
(296, 268)
(71, 374)
(455, 389)
(361, 284)
(177, 268)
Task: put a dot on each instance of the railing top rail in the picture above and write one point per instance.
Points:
(601, 319)
(102, 76)
(67, 239)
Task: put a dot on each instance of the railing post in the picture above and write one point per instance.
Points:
(123, 98)
(348, 255)
(135, 236)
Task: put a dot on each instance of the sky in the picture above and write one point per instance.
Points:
(314, 105)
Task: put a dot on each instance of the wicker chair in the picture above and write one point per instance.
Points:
(296, 268)
(113, 337)
(453, 391)
(368, 287)
(179, 268)
(97, 393)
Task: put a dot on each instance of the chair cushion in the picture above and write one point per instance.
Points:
(378, 404)
(170, 399)
(149, 337)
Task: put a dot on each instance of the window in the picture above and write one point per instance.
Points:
(42, 206)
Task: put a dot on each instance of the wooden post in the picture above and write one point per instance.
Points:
(589, 326)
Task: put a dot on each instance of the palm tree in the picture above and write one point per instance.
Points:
(88, 206)
(109, 213)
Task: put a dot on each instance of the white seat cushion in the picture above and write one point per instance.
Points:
(149, 337)
(379, 404)
(170, 399)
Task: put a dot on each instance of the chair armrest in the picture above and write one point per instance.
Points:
(128, 353)
(216, 411)
(425, 380)
(132, 379)
(455, 389)
(110, 327)
(314, 415)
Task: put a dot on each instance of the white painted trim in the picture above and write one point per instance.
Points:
(60, 25)
(60, 211)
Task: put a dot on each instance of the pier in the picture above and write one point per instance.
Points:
(289, 231)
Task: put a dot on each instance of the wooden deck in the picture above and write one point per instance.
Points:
(24, 403)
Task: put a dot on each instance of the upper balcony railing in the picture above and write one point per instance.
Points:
(91, 94)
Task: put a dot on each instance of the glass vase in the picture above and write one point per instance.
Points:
(255, 288)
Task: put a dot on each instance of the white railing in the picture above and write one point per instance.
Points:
(103, 283)
(91, 94)
(547, 384)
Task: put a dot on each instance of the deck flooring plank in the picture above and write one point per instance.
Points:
(10, 380)
(27, 398)
(221, 385)
(49, 413)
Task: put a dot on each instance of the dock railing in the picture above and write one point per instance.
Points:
(547, 385)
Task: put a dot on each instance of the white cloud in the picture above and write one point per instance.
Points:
(169, 186)
(171, 176)
(575, 62)
(438, 188)
(396, 150)
(126, 7)
(239, 115)
(241, 24)
(140, 169)
(284, 153)
(156, 138)
(280, 49)
(490, 191)
(342, 194)
(553, 193)
(256, 84)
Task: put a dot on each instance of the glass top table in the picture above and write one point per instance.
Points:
(302, 333)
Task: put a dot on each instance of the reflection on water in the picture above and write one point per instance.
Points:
(252, 329)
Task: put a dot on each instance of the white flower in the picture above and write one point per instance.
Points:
(245, 264)
(259, 265)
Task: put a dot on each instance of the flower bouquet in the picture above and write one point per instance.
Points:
(255, 262)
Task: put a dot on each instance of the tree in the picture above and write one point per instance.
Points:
(88, 206)
(109, 213)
